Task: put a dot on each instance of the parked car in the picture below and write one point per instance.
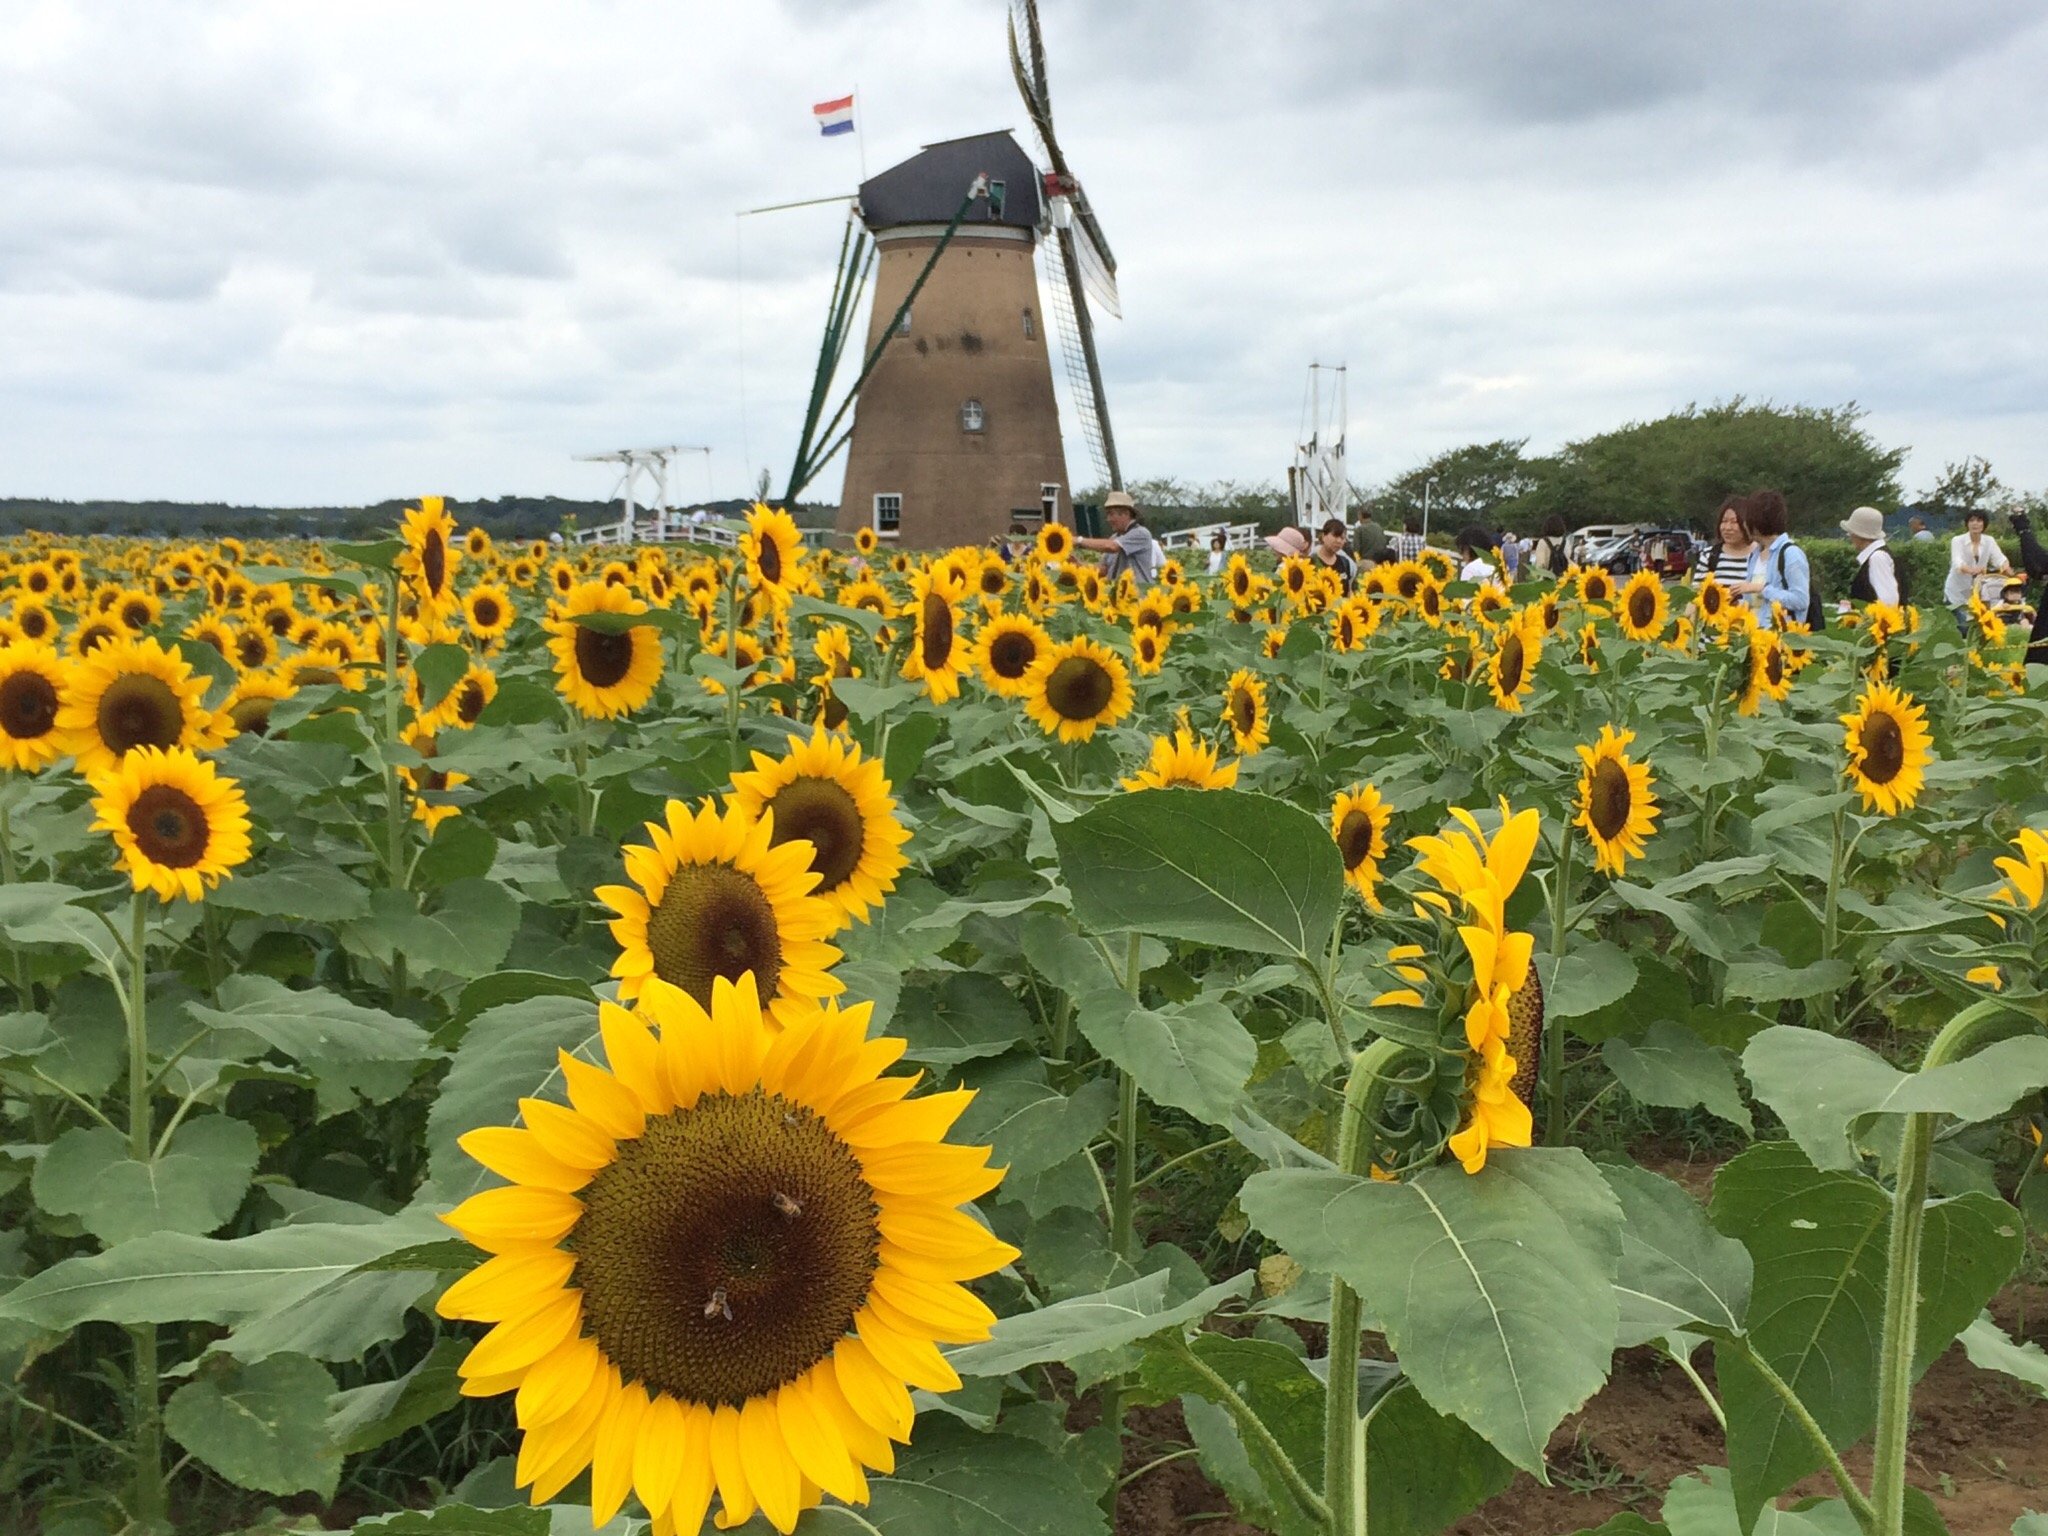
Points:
(1667, 551)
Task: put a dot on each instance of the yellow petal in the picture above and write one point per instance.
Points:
(728, 1467)
(519, 1342)
(505, 1285)
(602, 1098)
(611, 1461)
(516, 1155)
(567, 1136)
(771, 1472)
(816, 1445)
(514, 1217)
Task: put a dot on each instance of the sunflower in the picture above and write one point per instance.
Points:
(1596, 586)
(430, 555)
(938, 654)
(1511, 664)
(139, 612)
(1359, 819)
(1006, 650)
(178, 824)
(604, 674)
(1180, 761)
(823, 794)
(713, 896)
(1715, 604)
(865, 540)
(487, 609)
(1148, 651)
(1077, 687)
(255, 696)
(1055, 542)
(723, 1265)
(1475, 876)
(477, 543)
(1888, 742)
(1491, 603)
(33, 620)
(1616, 805)
(427, 779)
(773, 548)
(1244, 711)
(1643, 607)
(1766, 671)
(134, 693)
(33, 682)
(465, 702)
(254, 649)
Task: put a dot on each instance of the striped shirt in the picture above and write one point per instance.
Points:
(1406, 546)
(1727, 567)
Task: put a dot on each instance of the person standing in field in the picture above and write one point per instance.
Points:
(1779, 578)
(1546, 550)
(1329, 552)
(1369, 541)
(1877, 574)
(1726, 558)
(1972, 555)
(1130, 545)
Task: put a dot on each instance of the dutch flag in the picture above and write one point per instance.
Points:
(834, 116)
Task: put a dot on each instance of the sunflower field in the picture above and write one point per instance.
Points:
(850, 1042)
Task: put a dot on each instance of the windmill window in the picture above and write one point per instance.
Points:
(1030, 325)
(903, 325)
(1049, 501)
(888, 511)
(972, 417)
(995, 199)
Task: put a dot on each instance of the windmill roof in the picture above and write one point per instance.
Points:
(927, 188)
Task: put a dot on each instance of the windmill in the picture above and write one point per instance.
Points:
(1079, 249)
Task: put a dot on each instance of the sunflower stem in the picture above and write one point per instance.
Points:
(732, 661)
(586, 802)
(1801, 1415)
(1831, 917)
(1343, 1432)
(11, 874)
(151, 1500)
(1551, 1041)
(1254, 1428)
(1902, 1274)
(1123, 1206)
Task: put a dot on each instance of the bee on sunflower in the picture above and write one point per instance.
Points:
(1616, 804)
(1888, 749)
(1644, 607)
(178, 824)
(1074, 689)
(720, 1269)
(713, 895)
(1359, 818)
(34, 680)
(1181, 761)
(430, 556)
(1244, 711)
(604, 673)
(825, 795)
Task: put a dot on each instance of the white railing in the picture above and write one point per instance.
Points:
(1235, 536)
(662, 528)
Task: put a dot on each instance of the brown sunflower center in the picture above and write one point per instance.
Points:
(1355, 839)
(1609, 799)
(169, 826)
(1011, 653)
(822, 813)
(1884, 748)
(34, 623)
(1774, 667)
(1525, 1034)
(1079, 688)
(433, 562)
(714, 921)
(769, 559)
(485, 612)
(1408, 583)
(935, 638)
(602, 659)
(1710, 600)
(138, 710)
(250, 649)
(136, 615)
(1642, 607)
(1513, 661)
(28, 705)
(726, 1250)
(469, 701)
(252, 715)
(1244, 711)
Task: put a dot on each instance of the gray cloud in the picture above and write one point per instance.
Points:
(317, 255)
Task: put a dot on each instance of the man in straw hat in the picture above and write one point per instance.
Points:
(1877, 574)
(1130, 545)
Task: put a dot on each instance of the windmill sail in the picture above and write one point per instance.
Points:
(1073, 359)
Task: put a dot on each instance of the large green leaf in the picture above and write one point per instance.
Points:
(313, 1024)
(193, 1186)
(1824, 1087)
(1676, 1270)
(261, 1426)
(954, 1482)
(1706, 1506)
(1766, 981)
(364, 1418)
(1818, 1240)
(1588, 978)
(1991, 1348)
(969, 1015)
(459, 1520)
(1086, 1325)
(1675, 1069)
(508, 1053)
(467, 934)
(170, 1277)
(1496, 1290)
(306, 890)
(1424, 1469)
(1193, 1056)
(1032, 1125)
(1222, 867)
(1277, 1384)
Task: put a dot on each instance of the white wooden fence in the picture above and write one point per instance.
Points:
(1235, 536)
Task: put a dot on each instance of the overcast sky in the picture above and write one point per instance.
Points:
(325, 253)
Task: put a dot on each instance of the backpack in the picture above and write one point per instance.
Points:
(1816, 612)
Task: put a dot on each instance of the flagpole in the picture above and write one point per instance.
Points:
(860, 137)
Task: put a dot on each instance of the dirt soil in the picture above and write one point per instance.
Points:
(1979, 1449)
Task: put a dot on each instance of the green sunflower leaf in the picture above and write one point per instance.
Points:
(261, 1426)
(194, 1185)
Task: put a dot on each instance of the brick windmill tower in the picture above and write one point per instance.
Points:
(955, 435)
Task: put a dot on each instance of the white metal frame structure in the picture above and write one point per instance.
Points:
(654, 464)
(1235, 536)
(1318, 480)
